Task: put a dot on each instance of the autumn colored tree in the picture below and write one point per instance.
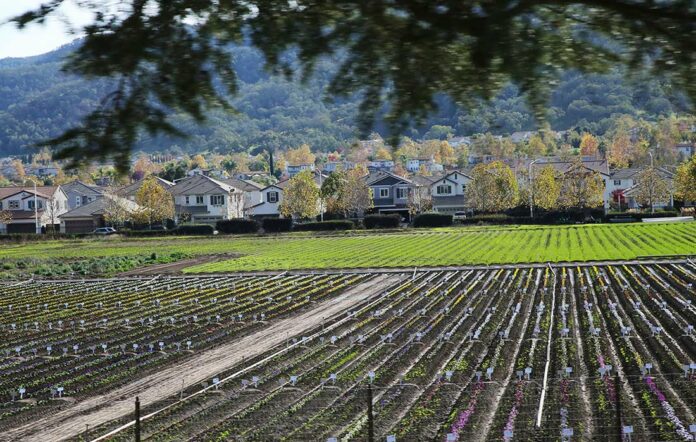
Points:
(493, 188)
(546, 188)
(619, 153)
(651, 188)
(685, 180)
(357, 196)
(5, 217)
(300, 155)
(536, 147)
(382, 153)
(300, 197)
(156, 203)
(198, 161)
(581, 188)
(589, 146)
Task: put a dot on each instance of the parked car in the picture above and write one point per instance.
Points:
(459, 216)
(104, 231)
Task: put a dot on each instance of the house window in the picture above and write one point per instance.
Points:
(444, 189)
(384, 192)
(217, 200)
(401, 192)
(78, 201)
(0, 205)
(31, 204)
(187, 200)
(199, 199)
(617, 182)
(14, 204)
(272, 197)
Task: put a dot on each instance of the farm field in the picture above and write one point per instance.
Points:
(415, 248)
(558, 352)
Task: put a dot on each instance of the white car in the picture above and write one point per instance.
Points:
(459, 216)
(104, 231)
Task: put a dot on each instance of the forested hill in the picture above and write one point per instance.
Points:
(37, 101)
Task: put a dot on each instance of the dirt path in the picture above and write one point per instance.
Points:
(207, 364)
(177, 266)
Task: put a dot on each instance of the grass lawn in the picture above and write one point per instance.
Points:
(427, 247)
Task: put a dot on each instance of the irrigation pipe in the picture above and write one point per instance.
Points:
(548, 351)
(320, 332)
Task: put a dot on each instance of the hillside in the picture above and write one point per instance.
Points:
(37, 101)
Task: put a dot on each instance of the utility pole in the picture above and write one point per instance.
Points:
(137, 419)
(531, 189)
(370, 417)
(617, 389)
(652, 183)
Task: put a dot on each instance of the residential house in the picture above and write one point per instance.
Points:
(448, 192)
(219, 174)
(333, 166)
(293, 169)
(459, 141)
(380, 166)
(390, 192)
(414, 165)
(630, 192)
(202, 199)
(80, 193)
(521, 136)
(92, 215)
(33, 210)
(252, 193)
(42, 171)
(269, 204)
(685, 150)
(131, 190)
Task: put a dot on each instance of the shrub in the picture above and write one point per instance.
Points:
(381, 221)
(273, 225)
(237, 225)
(325, 225)
(194, 229)
(432, 220)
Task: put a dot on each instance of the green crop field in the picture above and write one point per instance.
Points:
(436, 247)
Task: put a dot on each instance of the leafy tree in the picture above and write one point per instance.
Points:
(420, 200)
(581, 188)
(301, 155)
(546, 187)
(493, 188)
(173, 171)
(357, 196)
(439, 132)
(620, 152)
(198, 161)
(116, 211)
(685, 180)
(383, 153)
(536, 146)
(156, 204)
(173, 55)
(651, 188)
(332, 192)
(229, 165)
(5, 217)
(589, 146)
(300, 197)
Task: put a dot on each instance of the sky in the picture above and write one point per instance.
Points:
(37, 38)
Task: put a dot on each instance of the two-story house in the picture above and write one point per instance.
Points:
(293, 169)
(202, 199)
(252, 193)
(380, 166)
(32, 210)
(269, 205)
(414, 165)
(390, 192)
(80, 193)
(130, 191)
(448, 192)
(333, 166)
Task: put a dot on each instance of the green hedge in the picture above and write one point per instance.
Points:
(432, 220)
(325, 225)
(273, 225)
(237, 225)
(194, 229)
(382, 221)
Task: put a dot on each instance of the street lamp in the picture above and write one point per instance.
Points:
(652, 170)
(531, 189)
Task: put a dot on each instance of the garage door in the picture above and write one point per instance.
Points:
(79, 226)
(21, 228)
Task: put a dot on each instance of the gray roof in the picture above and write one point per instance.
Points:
(374, 177)
(132, 189)
(98, 207)
(245, 185)
(78, 186)
(200, 185)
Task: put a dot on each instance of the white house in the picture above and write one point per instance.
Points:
(252, 193)
(448, 192)
(380, 166)
(128, 192)
(203, 199)
(271, 197)
(32, 211)
(413, 165)
(293, 169)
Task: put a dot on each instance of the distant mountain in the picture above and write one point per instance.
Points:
(38, 101)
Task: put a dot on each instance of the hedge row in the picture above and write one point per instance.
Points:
(325, 225)
(238, 225)
(432, 220)
(274, 225)
(382, 221)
